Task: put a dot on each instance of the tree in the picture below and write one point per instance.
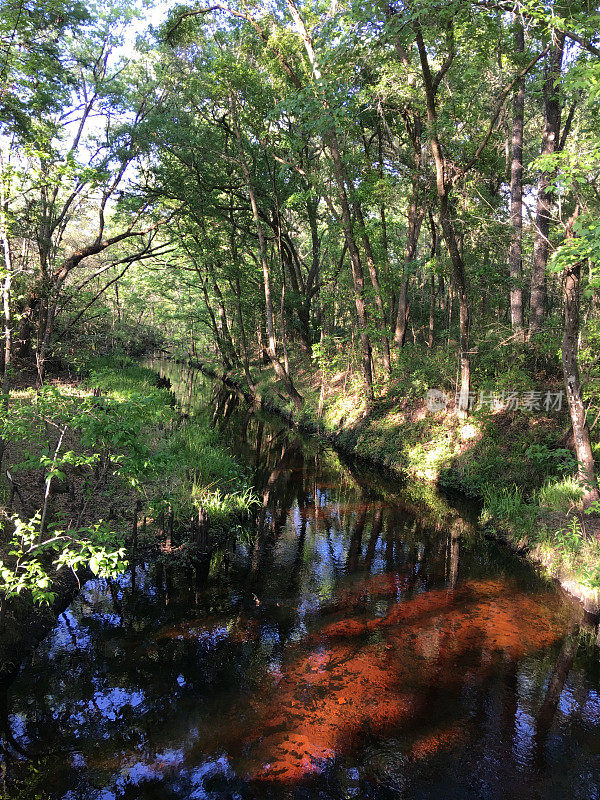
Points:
(580, 243)
(69, 164)
(515, 256)
(550, 144)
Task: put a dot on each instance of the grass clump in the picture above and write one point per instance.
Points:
(222, 505)
(561, 494)
(506, 504)
(198, 447)
(115, 441)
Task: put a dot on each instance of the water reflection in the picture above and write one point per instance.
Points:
(358, 646)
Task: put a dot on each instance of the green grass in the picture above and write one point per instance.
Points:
(561, 494)
(199, 447)
(221, 506)
(171, 462)
(205, 474)
(561, 547)
(507, 505)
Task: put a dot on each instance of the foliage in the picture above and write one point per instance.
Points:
(28, 569)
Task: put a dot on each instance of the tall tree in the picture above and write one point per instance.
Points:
(331, 140)
(279, 368)
(572, 256)
(545, 195)
(443, 186)
(515, 255)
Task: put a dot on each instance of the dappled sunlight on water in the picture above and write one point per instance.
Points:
(378, 673)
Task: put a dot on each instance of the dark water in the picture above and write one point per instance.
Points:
(359, 646)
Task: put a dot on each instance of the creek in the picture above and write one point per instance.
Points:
(363, 639)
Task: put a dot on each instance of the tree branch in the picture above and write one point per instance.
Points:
(501, 100)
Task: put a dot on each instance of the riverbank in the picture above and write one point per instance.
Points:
(516, 463)
(104, 458)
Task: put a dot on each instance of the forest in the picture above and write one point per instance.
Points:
(379, 224)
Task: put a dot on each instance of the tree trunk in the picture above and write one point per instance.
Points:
(448, 230)
(382, 215)
(46, 327)
(271, 341)
(6, 297)
(26, 329)
(224, 326)
(570, 349)
(515, 257)
(550, 141)
(218, 341)
(403, 313)
(355, 265)
(240, 318)
(434, 291)
(237, 293)
(416, 212)
(381, 324)
(314, 278)
(286, 360)
(432, 298)
(6, 294)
